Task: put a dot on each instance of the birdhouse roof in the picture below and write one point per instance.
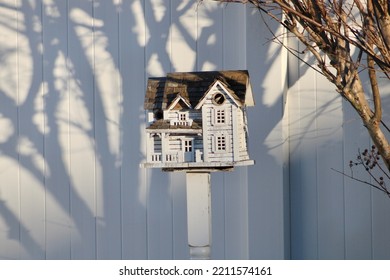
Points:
(161, 92)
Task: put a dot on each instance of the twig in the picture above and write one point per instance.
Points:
(362, 181)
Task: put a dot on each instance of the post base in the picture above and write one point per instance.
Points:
(200, 253)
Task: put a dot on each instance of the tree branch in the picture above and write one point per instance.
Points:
(375, 90)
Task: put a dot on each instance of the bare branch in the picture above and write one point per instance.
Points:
(362, 181)
(375, 90)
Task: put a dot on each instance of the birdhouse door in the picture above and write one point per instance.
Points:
(188, 150)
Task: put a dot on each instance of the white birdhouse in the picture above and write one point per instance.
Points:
(197, 120)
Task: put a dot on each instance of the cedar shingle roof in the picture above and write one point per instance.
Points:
(192, 86)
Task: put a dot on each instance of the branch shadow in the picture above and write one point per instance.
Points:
(64, 42)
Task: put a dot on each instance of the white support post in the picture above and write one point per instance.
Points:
(199, 214)
(164, 147)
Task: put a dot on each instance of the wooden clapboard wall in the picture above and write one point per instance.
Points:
(72, 83)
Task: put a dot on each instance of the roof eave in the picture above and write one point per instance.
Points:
(249, 100)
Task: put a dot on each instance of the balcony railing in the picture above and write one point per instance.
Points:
(156, 157)
(181, 123)
(169, 157)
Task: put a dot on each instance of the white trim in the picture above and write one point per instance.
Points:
(236, 134)
(205, 131)
(249, 100)
(227, 143)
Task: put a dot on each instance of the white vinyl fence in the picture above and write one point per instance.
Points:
(72, 83)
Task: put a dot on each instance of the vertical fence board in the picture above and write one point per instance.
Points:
(57, 147)
(381, 226)
(81, 129)
(303, 164)
(329, 151)
(358, 197)
(108, 110)
(133, 178)
(31, 129)
(9, 165)
(236, 184)
(159, 204)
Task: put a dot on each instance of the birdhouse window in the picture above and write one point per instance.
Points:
(220, 116)
(221, 143)
(182, 116)
(187, 145)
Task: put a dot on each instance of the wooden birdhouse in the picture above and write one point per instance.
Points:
(197, 120)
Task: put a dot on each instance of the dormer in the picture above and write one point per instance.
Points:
(218, 94)
(178, 112)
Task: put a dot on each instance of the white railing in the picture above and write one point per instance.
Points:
(181, 123)
(156, 157)
(170, 157)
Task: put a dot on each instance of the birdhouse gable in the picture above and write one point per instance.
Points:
(218, 93)
(179, 103)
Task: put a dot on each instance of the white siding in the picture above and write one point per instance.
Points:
(332, 217)
(72, 87)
